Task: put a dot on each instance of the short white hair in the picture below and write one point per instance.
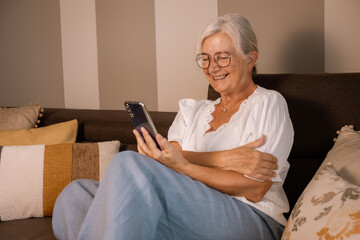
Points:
(238, 28)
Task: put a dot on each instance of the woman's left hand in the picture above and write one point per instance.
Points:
(168, 155)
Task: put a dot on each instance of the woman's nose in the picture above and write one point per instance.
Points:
(213, 67)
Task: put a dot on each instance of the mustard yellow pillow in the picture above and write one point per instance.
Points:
(64, 132)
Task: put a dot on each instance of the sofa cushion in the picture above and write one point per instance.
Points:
(345, 154)
(329, 208)
(64, 132)
(19, 118)
(31, 177)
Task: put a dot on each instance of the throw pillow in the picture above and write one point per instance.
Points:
(329, 208)
(64, 132)
(19, 118)
(31, 177)
(344, 156)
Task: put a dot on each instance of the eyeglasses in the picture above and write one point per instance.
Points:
(222, 59)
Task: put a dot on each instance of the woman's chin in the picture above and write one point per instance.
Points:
(220, 88)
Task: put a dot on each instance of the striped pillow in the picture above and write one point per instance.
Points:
(31, 177)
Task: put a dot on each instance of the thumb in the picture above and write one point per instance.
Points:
(257, 143)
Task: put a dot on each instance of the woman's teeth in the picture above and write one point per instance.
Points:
(220, 77)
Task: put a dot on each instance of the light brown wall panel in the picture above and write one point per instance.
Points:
(30, 47)
(290, 32)
(126, 52)
(342, 36)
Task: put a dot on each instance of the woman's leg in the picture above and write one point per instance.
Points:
(139, 198)
(71, 208)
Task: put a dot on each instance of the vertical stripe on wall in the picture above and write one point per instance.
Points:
(79, 49)
(178, 24)
(126, 52)
(342, 36)
(30, 53)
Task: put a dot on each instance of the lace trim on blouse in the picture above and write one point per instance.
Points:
(209, 116)
(211, 109)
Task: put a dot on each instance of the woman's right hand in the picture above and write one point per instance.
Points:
(248, 161)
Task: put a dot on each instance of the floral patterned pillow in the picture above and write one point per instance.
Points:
(344, 155)
(329, 208)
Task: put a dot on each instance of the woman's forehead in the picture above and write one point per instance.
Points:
(218, 42)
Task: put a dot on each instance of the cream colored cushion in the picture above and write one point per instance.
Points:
(19, 118)
(31, 177)
(345, 155)
(64, 132)
(329, 207)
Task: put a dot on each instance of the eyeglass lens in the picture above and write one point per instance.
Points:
(222, 59)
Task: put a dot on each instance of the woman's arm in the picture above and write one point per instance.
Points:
(227, 181)
(245, 160)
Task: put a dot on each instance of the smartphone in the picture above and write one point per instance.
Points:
(140, 117)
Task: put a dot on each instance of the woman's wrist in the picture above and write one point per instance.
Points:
(187, 168)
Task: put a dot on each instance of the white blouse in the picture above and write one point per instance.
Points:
(264, 112)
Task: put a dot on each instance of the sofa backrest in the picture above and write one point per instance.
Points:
(105, 125)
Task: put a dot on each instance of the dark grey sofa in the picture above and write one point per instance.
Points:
(319, 105)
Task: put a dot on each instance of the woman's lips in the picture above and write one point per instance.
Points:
(220, 77)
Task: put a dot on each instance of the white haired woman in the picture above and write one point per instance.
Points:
(219, 174)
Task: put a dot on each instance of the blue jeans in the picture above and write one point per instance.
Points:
(139, 198)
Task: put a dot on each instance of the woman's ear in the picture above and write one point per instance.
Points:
(252, 58)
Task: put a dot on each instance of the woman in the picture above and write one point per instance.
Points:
(209, 181)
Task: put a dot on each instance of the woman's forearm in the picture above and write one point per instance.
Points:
(206, 159)
(244, 160)
(229, 182)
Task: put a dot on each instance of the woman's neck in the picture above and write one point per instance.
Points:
(229, 100)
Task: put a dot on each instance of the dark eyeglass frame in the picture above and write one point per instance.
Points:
(215, 57)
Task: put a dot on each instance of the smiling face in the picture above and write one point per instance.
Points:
(234, 78)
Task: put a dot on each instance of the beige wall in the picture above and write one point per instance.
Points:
(290, 33)
(144, 49)
(176, 35)
(30, 53)
(79, 52)
(342, 35)
(126, 49)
